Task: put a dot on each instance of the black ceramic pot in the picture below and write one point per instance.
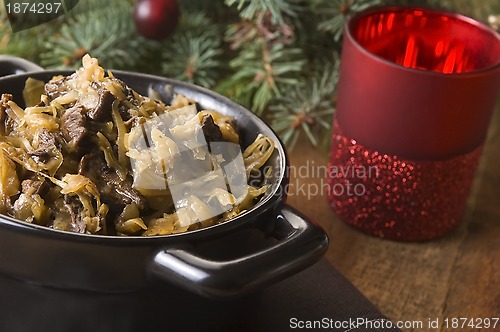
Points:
(264, 245)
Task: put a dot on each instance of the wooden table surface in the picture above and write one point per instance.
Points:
(452, 277)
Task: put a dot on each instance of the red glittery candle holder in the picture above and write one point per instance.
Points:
(416, 93)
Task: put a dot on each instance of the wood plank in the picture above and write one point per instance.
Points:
(474, 286)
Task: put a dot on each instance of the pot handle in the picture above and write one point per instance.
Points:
(11, 65)
(300, 244)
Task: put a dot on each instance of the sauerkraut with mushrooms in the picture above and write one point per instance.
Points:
(88, 154)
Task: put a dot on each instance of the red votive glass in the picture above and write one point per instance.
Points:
(416, 94)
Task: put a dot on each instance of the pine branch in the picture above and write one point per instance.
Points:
(279, 9)
(193, 52)
(215, 9)
(260, 74)
(336, 12)
(193, 58)
(275, 56)
(306, 109)
(106, 34)
(266, 61)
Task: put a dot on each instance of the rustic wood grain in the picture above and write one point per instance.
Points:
(455, 276)
(474, 286)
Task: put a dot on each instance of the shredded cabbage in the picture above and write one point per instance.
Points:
(88, 154)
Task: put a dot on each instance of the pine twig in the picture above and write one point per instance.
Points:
(193, 58)
(336, 12)
(279, 9)
(265, 64)
(193, 52)
(106, 34)
(306, 108)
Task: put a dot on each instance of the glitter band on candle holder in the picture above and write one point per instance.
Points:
(404, 199)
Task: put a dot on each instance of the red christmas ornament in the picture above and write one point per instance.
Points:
(156, 19)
